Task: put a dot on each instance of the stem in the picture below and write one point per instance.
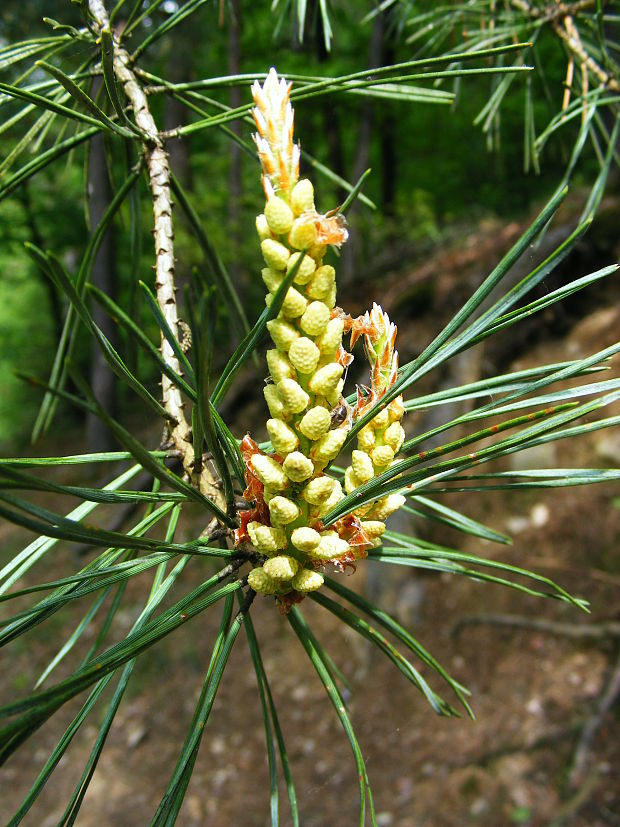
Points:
(570, 36)
(560, 15)
(158, 169)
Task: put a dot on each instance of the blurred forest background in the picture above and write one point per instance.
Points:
(453, 184)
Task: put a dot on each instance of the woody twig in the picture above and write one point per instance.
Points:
(159, 181)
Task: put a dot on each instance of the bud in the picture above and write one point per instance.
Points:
(302, 197)
(283, 438)
(330, 298)
(279, 366)
(332, 501)
(317, 251)
(307, 580)
(394, 436)
(328, 446)
(272, 278)
(331, 337)
(366, 439)
(319, 489)
(330, 547)
(315, 318)
(282, 510)
(304, 355)
(382, 455)
(333, 397)
(282, 333)
(386, 506)
(306, 268)
(396, 409)
(266, 538)
(326, 379)
(269, 472)
(298, 467)
(381, 420)
(282, 567)
(315, 422)
(321, 283)
(294, 304)
(351, 482)
(305, 538)
(274, 403)
(275, 254)
(363, 510)
(262, 227)
(302, 234)
(373, 528)
(293, 396)
(279, 215)
(362, 466)
(260, 581)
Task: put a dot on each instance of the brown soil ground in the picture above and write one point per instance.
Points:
(533, 693)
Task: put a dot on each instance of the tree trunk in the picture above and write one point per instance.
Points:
(103, 381)
(55, 305)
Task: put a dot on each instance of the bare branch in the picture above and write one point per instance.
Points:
(560, 15)
(159, 179)
(567, 32)
(553, 11)
(577, 631)
(593, 725)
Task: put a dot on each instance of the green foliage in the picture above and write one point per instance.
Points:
(574, 57)
(52, 111)
(24, 342)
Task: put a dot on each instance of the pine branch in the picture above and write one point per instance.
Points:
(576, 631)
(560, 15)
(554, 11)
(567, 32)
(592, 727)
(159, 181)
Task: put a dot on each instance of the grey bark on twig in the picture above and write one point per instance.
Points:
(159, 181)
